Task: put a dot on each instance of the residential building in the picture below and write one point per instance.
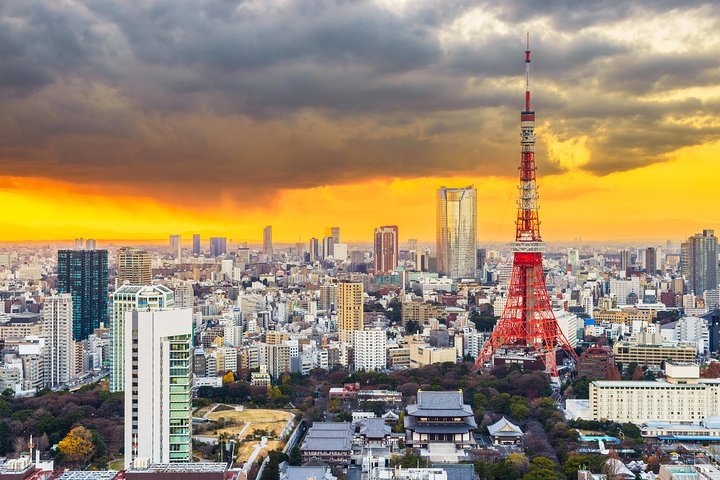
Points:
(84, 275)
(595, 362)
(699, 262)
(134, 266)
(652, 350)
(369, 350)
(126, 299)
(350, 310)
(158, 380)
(386, 249)
(456, 232)
(58, 335)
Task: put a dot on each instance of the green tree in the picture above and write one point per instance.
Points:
(295, 458)
(500, 403)
(542, 468)
(6, 443)
(272, 468)
(480, 401)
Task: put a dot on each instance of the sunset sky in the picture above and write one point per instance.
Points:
(139, 119)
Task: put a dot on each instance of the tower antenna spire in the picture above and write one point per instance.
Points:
(527, 72)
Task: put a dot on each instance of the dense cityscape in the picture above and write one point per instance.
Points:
(385, 357)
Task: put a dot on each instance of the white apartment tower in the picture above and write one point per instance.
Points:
(59, 344)
(158, 379)
(126, 299)
(370, 350)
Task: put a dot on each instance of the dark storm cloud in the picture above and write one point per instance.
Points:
(227, 95)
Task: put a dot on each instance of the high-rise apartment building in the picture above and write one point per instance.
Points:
(158, 379)
(369, 350)
(134, 266)
(328, 296)
(218, 246)
(267, 248)
(350, 310)
(90, 244)
(58, 335)
(699, 262)
(175, 246)
(276, 357)
(328, 247)
(196, 245)
(184, 295)
(386, 249)
(625, 260)
(456, 231)
(84, 275)
(126, 299)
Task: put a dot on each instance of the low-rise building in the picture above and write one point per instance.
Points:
(328, 442)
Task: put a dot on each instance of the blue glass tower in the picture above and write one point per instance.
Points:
(84, 275)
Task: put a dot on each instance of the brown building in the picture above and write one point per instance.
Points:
(594, 363)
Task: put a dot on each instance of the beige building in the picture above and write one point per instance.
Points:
(398, 356)
(276, 358)
(350, 310)
(422, 354)
(624, 316)
(682, 398)
(21, 326)
(421, 312)
(651, 350)
(134, 266)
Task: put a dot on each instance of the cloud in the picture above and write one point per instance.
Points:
(189, 101)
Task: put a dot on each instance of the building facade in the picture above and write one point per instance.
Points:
(369, 350)
(134, 266)
(58, 334)
(439, 417)
(267, 248)
(699, 262)
(126, 299)
(158, 380)
(386, 249)
(456, 232)
(350, 310)
(84, 275)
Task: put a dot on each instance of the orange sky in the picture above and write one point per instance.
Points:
(667, 200)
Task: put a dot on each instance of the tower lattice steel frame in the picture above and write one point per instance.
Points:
(528, 320)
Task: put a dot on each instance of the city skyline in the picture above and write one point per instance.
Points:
(294, 133)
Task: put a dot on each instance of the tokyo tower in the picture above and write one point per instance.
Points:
(528, 322)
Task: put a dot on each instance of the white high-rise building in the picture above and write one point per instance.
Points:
(456, 232)
(158, 380)
(125, 299)
(184, 295)
(369, 350)
(59, 344)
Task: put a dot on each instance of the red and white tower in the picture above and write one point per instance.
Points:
(528, 321)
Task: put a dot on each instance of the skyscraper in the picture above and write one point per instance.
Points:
(126, 299)
(90, 244)
(699, 262)
(175, 245)
(350, 310)
(218, 246)
(386, 249)
(134, 266)
(58, 335)
(328, 247)
(333, 232)
(314, 249)
(650, 260)
(158, 368)
(84, 275)
(625, 260)
(196, 245)
(267, 240)
(456, 231)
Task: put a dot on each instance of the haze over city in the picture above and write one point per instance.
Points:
(129, 121)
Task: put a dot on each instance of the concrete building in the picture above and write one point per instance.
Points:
(58, 335)
(456, 232)
(652, 350)
(176, 246)
(134, 266)
(682, 398)
(267, 246)
(699, 262)
(158, 380)
(369, 350)
(386, 249)
(126, 299)
(350, 310)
